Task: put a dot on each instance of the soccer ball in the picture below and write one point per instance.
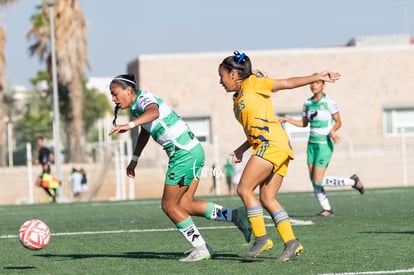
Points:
(34, 234)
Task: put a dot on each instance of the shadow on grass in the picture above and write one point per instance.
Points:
(140, 255)
(131, 255)
(18, 267)
(388, 232)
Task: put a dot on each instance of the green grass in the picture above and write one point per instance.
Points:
(373, 232)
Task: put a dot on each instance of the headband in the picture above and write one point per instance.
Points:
(124, 79)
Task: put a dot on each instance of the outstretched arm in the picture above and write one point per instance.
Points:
(151, 113)
(297, 122)
(299, 81)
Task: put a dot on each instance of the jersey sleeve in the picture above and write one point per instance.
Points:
(144, 100)
(264, 85)
(332, 106)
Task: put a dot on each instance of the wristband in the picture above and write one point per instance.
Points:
(131, 124)
(135, 158)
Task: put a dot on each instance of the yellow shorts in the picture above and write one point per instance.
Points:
(275, 155)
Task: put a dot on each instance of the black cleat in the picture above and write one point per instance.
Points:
(358, 185)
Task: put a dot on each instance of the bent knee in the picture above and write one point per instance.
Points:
(167, 208)
(242, 191)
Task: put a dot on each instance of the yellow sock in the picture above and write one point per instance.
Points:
(283, 226)
(256, 219)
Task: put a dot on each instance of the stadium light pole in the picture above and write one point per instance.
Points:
(56, 129)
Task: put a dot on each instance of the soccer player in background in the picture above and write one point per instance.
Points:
(321, 113)
(45, 180)
(186, 160)
(271, 153)
(45, 156)
(229, 171)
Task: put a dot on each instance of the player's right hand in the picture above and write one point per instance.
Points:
(131, 169)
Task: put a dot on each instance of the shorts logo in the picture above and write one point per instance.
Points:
(171, 176)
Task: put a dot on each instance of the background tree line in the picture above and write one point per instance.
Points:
(79, 107)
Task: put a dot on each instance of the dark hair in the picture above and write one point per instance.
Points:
(123, 80)
(240, 63)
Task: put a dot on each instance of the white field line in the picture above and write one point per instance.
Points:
(294, 222)
(410, 270)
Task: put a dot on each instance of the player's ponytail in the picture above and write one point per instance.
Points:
(116, 109)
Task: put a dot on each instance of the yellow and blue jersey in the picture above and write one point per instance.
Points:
(253, 108)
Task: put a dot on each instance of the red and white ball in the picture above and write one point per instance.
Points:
(34, 234)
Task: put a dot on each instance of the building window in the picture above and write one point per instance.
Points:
(397, 121)
(294, 132)
(201, 127)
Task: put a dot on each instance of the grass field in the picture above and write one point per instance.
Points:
(370, 234)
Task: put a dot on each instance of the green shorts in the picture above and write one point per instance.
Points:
(184, 166)
(320, 154)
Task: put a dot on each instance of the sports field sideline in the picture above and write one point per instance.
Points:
(370, 234)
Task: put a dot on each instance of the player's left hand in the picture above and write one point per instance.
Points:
(329, 76)
(119, 129)
(236, 157)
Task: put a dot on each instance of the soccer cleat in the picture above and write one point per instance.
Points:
(293, 248)
(325, 213)
(198, 254)
(258, 247)
(242, 222)
(358, 185)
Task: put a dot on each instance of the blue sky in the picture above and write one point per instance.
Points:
(119, 31)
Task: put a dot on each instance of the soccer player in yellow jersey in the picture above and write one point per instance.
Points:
(271, 153)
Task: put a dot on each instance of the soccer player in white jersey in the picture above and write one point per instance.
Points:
(186, 159)
(322, 114)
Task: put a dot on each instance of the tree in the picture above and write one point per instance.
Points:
(3, 65)
(37, 119)
(71, 59)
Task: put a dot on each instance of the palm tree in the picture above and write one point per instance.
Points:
(72, 61)
(3, 65)
(71, 58)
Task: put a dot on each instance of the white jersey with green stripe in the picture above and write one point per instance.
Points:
(319, 115)
(168, 129)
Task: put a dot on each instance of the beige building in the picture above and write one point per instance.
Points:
(375, 96)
